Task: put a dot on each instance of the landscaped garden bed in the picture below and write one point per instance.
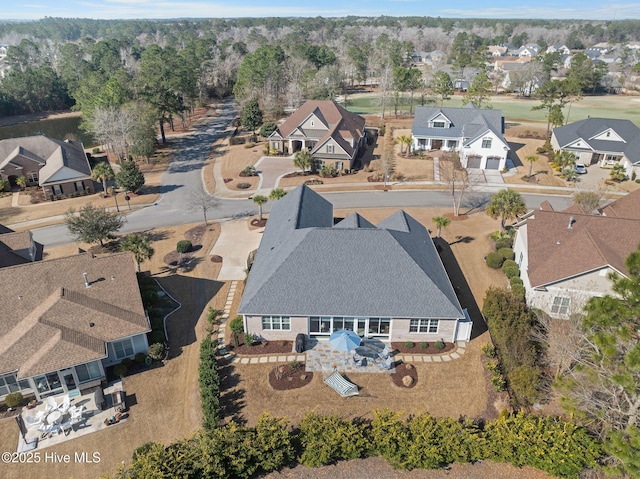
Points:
(405, 376)
(422, 347)
(260, 348)
(289, 376)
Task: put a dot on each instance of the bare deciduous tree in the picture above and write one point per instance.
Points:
(200, 199)
(456, 177)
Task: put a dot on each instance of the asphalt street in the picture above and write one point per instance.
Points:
(184, 176)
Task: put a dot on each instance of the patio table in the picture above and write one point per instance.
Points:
(54, 417)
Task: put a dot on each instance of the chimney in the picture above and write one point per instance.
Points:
(571, 221)
(86, 280)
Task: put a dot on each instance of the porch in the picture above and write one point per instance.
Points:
(96, 406)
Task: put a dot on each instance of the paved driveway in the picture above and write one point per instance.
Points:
(271, 169)
(235, 243)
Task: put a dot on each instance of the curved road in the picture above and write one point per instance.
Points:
(184, 175)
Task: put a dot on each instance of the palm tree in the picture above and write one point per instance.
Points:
(277, 194)
(405, 141)
(441, 222)
(102, 172)
(260, 200)
(506, 204)
(531, 159)
(139, 245)
(21, 181)
(303, 160)
(4, 184)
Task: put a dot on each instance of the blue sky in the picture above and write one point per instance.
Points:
(127, 9)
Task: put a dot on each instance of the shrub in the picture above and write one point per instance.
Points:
(156, 337)
(236, 325)
(249, 339)
(95, 150)
(506, 253)
(139, 358)
(183, 246)
(424, 345)
(243, 186)
(439, 345)
(296, 365)
(515, 281)
(503, 243)
(518, 291)
(209, 381)
(489, 350)
(14, 399)
(510, 269)
(250, 144)
(156, 351)
(267, 129)
(128, 362)
(409, 344)
(328, 171)
(237, 140)
(120, 370)
(494, 260)
(248, 171)
(326, 439)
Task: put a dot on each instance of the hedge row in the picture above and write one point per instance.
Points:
(209, 384)
(419, 442)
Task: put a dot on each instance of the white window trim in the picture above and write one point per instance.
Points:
(329, 148)
(559, 305)
(276, 320)
(426, 323)
(124, 349)
(490, 140)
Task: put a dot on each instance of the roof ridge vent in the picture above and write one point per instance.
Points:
(571, 221)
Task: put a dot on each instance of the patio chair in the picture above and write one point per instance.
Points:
(384, 354)
(50, 404)
(46, 429)
(64, 405)
(33, 422)
(76, 412)
(66, 427)
(387, 363)
(357, 361)
(340, 385)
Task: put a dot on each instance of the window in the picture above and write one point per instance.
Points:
(123, 348)
(88, 372)
(276, 145)
(276, 323)
(423, 326)
(329, 148)
(79, 186)
(452, 144)
(520, 259)
(48, 383)
(486, 143)
(312, 123)
(560, 305)
(10, 384)
(438, 124)
(320, 324)
(379, 326)
(57, 189)
(32, 177)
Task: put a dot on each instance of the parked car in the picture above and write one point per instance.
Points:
(580, 168)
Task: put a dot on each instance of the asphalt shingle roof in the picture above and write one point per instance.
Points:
(588, 128)
(306, 266)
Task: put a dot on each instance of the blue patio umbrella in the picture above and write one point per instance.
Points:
(344, 340)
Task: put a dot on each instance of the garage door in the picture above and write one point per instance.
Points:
(493, 163)
(474, 161)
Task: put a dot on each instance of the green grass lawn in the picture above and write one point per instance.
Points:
(519, 109)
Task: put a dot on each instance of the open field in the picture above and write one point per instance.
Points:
(516, 109)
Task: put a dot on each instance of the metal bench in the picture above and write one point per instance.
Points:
(340, 385)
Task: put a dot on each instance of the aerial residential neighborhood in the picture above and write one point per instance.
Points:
(318, 246)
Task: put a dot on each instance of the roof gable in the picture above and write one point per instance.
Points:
(608, 135)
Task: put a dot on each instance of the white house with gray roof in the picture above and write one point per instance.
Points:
(314, 277)
(476, 134)
(603, 141)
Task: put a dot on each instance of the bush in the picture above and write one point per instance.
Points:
(439, 345)
(494, 260)
(237, 140)
(140, 358)
(267, 129)
(503, 243)
(183, 246)
(424, 345)
(243, 186)
(14, 399)
(506, 253)
(209, 381)
(248, 171)
(409, 344)
(156, 337)
(156, 351)
(518, 291)
(328, 171)
(236, 325)
(516, 281)
(510, 269)
(489, 350)
(120, 370)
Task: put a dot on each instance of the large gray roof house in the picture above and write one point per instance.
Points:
(603, 141)
(315, 277)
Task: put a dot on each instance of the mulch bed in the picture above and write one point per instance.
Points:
(417, 349)
(272, 347)
(196, 234)
(401, 372)
(289, 379)
(258, 223)
(452, 217)
(216, 258)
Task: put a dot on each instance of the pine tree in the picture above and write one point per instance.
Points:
(130, 178)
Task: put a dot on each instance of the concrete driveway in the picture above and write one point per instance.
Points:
(235, 243)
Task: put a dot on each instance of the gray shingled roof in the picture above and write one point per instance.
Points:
(306, 266)
(473, 121)
(590, 127)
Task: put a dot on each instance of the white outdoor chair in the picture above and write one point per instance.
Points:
(50, 404)
(64, 405)
(384, 354)
(46, 429)
(76, 412)
(65, 427)
(34, 421)
(387, 363)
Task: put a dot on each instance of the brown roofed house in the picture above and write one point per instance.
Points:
(17, 247)
(65, 320)
(332, 134)
(60, 168)
(565, 257)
